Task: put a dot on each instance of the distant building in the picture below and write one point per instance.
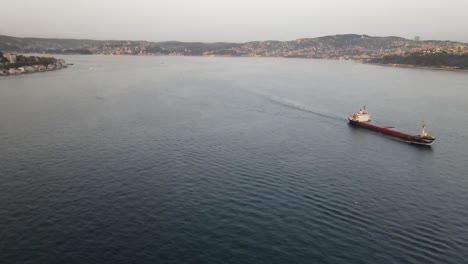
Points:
(11, 57)
(417, 38)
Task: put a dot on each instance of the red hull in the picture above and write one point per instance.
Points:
(415, 139)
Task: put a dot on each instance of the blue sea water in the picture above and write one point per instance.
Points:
(231, 160)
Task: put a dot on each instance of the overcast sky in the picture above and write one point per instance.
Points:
(233, 20)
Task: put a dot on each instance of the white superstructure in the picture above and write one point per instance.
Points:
(361, 116)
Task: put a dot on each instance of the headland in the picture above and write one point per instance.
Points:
(13, 64)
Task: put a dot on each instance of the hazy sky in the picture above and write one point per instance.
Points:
(233, 20)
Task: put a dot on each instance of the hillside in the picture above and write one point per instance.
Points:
(441, 59)
(12, 64)
(344, 47)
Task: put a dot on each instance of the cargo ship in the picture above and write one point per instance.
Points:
(363, 118)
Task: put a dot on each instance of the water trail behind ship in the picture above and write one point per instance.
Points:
(296, 106)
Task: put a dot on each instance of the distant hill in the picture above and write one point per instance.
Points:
(344, 47)
(8, 43)
(47, 45)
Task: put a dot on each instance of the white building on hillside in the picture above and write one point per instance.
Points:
(11, 57)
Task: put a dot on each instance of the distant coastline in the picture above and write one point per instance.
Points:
(15, 64)
(427, 59)
(412, 66)
(391, 51)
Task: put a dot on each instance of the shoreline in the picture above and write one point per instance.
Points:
(30, 67)
(18, 71)
(412, 66)
(409, 66)
(60, 63)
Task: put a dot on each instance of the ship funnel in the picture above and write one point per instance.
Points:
(423, 131)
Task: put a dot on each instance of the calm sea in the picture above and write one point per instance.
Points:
(231, 160)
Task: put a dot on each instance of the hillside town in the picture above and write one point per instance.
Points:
(343, 47)
(340, 47)
(354, 48)
(361, 48)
